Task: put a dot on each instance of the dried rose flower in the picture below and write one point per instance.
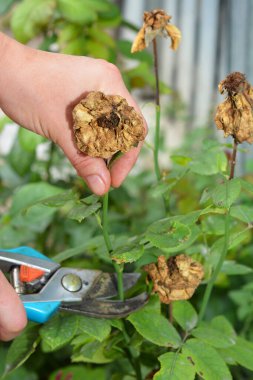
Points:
(176, 278)
(156, 23)
(106, 124)
(234, 115)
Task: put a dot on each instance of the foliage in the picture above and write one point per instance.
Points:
(206, 217)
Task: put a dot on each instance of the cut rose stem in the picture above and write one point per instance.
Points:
(118, 268)
(158, 113)
(223, 255)
(233, 160)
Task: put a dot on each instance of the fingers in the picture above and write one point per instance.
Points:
(123, 165)
(92, 170)
(12, 313)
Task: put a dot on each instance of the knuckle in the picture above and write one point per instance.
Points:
(110, 70)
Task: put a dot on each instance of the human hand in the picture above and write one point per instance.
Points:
(12, 313)
(41, 90)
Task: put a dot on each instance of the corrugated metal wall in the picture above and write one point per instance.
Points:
(217, 36)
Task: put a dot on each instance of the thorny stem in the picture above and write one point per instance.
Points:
(118, 268)
(233, 160)
(158, 113)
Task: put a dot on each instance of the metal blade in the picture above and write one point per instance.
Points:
(108, 309)
(105, 285)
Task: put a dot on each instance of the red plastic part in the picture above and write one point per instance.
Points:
(28, 274)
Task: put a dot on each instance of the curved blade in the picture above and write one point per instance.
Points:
(108, 309)
(105, 285)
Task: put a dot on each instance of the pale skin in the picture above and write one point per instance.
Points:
(38, 91)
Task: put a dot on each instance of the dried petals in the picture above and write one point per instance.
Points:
(106, 124)
(234, 115)
(176, 278)
(156, 23)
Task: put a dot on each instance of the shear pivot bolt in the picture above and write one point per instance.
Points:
(71, 282)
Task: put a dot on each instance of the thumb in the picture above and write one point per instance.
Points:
(92, 170)
(12, 313)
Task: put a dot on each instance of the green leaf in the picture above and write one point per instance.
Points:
(93, 352)
(75, 47)
(99, 35)
(81, 211)
(20, 160)
(175, 366)
(233, 268)
(29, 140)
(97, 49)
(180, 160)
(241, 353)
(28, 194)
(77, 11)
(185, 314)
(209, 162)
(153, 326)
(96, 328)
(171, 236)
(30, 17)
(218, 333)
(68, 32)
(22, 348)
(207, 361)
(225, 194)
(128, 253)
(58, 331)
(243, 213)
(59, 200)
(246, 185)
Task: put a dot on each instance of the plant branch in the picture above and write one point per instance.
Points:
(118, 268)
(158, 113)
(214, 276)
(233, 160)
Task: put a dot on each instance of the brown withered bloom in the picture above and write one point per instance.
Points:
(234, 115)
(156, 23)
(106, 124)
(176, 278)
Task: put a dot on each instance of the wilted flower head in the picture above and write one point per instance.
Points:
(234, 115)
(176, 278)
(156, 23)
(106, 124)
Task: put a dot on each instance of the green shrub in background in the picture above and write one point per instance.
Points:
(44, 204)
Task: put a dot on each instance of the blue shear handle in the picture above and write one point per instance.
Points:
(41, 312)
(27, 251)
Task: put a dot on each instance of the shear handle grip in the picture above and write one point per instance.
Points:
(41, 312)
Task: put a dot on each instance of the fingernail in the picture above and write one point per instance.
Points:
(95, 183)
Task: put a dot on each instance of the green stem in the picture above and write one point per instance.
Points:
(211, 282)
(118, 268)
(157, 144)
(158, 112)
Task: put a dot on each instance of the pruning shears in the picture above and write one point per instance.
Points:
(45, 287)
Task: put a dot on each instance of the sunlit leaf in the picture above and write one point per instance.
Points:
(153, 326)
(185, 314)
(175, 366)
(58, 331)
(207, 361)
